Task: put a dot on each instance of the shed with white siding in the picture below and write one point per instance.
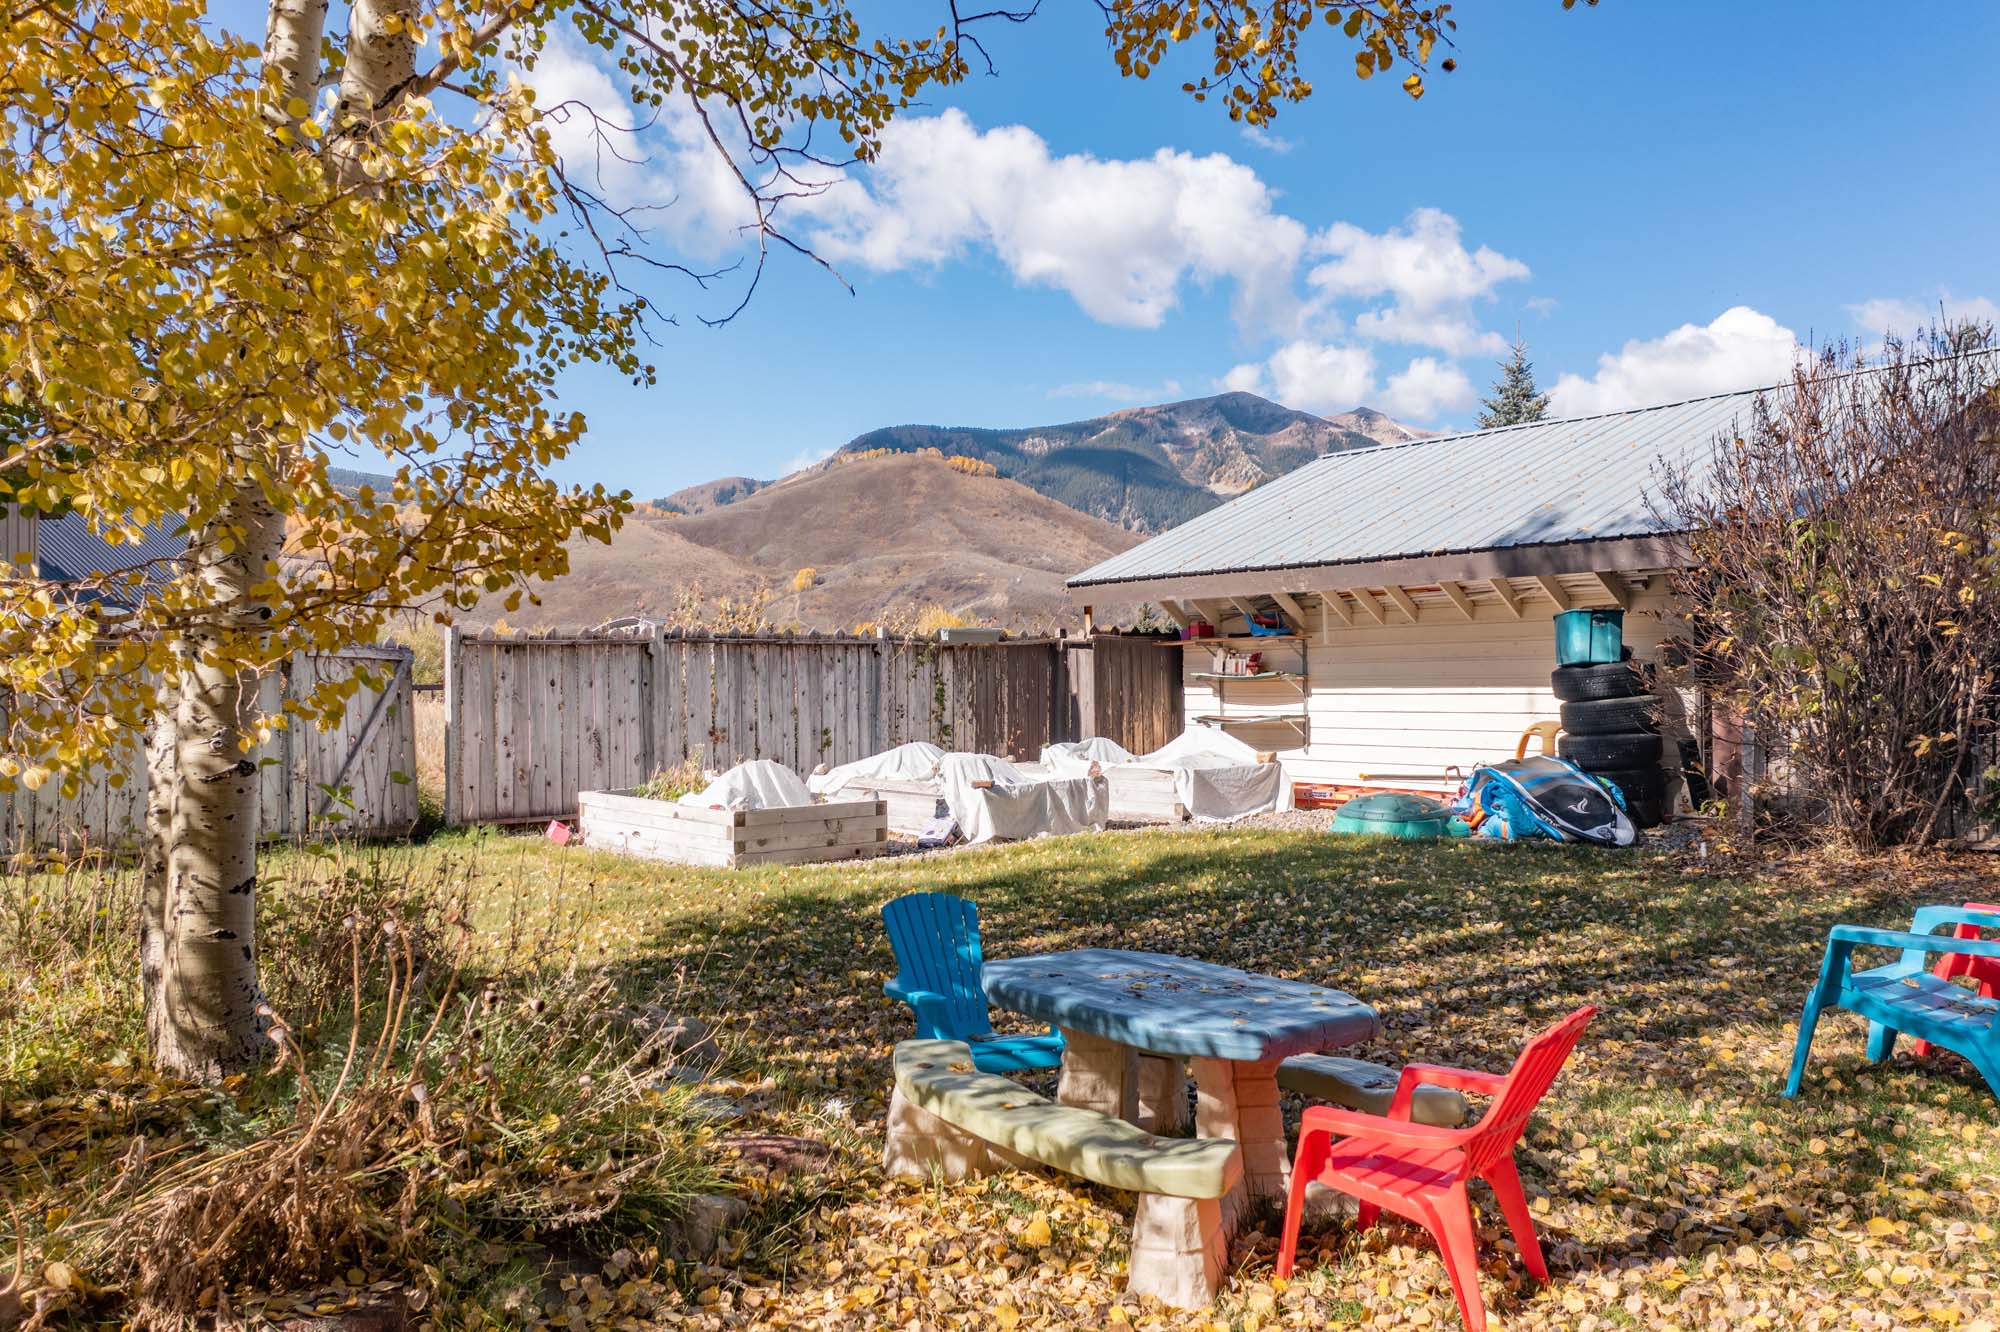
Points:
(1420, 581)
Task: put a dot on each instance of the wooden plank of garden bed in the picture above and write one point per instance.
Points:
(845, 809)
(834, 832)
(813, 855)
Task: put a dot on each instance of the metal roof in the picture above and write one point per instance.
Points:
(1588, 478)
(70, 550)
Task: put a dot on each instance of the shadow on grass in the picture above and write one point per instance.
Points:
(1463, 949)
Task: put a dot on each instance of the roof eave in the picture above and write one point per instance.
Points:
(1663, 550)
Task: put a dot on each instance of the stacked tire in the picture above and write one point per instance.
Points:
(1611, 729)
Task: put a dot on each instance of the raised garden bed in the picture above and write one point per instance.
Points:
(911, 802)
(666, 830)
(1144, 795)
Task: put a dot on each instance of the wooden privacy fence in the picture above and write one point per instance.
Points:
(358, 777)
(531, 721)
(1123, 687)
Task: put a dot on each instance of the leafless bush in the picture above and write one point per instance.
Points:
(1844, 578)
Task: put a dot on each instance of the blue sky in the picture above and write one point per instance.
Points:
(1688, 190)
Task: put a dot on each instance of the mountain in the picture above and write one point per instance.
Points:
(351, 480)
(889, 536)
(1378, 426)
(711, 494)
(1150, 468)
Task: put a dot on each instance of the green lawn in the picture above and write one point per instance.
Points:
(1674, 1186)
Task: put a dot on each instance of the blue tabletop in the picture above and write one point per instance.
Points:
(1178, 1006)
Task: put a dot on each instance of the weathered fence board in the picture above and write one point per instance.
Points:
(1136, 693)
(533, 721)
(358, 777)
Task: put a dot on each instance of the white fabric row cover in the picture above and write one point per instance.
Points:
(1018, 806)
(758, 784)
(1216, 776)
(915, 762)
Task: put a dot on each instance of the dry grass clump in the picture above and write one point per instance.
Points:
(434, 1092)
(675, 781)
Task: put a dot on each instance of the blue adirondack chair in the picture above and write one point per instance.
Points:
(936, 940)
(1904, 997)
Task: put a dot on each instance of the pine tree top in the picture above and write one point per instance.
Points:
(1514, 398)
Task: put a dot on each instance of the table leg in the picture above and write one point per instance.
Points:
(1094, 1073)
(1239, 1100)
(1116, 1079)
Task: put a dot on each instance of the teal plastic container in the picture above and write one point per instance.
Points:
(1391, 815)
(1590, 637)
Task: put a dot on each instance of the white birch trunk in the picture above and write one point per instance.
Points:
(381, 63)
(203, 1017)
(161, 764)
(198, 912)
(292, 32)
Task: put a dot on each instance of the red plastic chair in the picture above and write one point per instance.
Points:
(1984, 970)
(1421, 1172)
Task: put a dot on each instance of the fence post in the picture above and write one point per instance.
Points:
(651, 691)
(452, 802)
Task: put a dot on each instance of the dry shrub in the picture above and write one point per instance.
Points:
(1844, 581)
(914, 621)
(747, 614)
(428, 713)
(435, 1089)
(671, 783)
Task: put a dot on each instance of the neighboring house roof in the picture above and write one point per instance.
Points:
(1589, 478)
(70, 550)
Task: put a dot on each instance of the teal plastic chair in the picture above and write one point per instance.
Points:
(936, 940)
(1903, 997)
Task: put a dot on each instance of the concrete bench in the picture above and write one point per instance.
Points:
(948, 1119)
(1369, 1088)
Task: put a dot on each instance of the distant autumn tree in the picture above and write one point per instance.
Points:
(224, 265)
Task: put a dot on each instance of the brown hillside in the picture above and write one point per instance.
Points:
(886, 535)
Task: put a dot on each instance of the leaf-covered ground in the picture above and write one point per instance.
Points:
(1674, 1187)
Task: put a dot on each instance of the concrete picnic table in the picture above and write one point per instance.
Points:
(1231, 1027)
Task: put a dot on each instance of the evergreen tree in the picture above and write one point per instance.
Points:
(1514, 398)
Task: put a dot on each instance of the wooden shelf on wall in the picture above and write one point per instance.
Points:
(1236, 640)
(1222, 683)
(1227, 720)
(1260, 675)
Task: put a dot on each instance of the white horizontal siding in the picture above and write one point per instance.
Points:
(1417, 697)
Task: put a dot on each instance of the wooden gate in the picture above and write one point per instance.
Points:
(1125, 688)
(358, 777)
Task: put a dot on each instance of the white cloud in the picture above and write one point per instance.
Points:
(1424, 269)
(1740, 348)
(1259, 137)
(1116, 390)
(1452, 332)
(668, 173)
(1120, 236)
(1311, 376)
(1904, 318)
(1425, 388)
(1248, 378)
(806, 458)
(1541, 305)
(1328, 378)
